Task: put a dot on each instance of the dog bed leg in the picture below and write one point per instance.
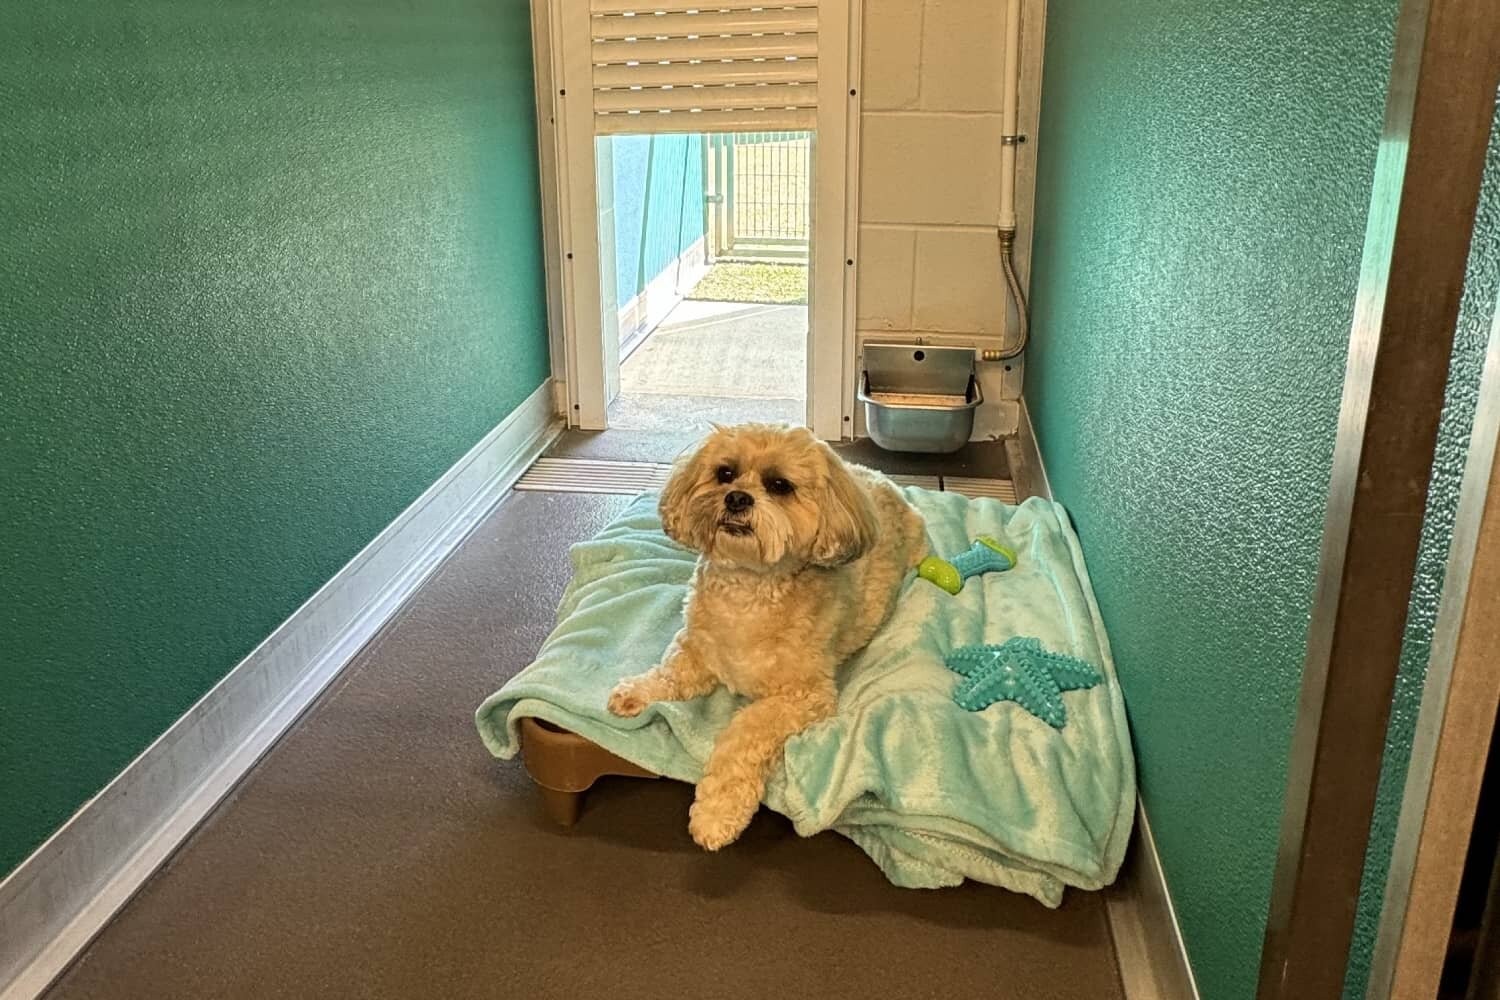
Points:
(563, 808)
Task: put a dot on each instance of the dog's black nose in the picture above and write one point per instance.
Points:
(738, 500)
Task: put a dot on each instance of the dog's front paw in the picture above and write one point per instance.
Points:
(626, 701)
(717, 822)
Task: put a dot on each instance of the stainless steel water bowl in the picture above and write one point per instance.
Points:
(919, 398)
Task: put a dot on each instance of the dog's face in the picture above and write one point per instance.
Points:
(768, 497)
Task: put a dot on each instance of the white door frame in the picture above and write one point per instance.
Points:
(570, 201)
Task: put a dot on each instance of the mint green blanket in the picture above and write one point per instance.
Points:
(933, 793)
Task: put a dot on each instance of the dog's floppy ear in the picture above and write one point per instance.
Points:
(674, 503)
(847, 523)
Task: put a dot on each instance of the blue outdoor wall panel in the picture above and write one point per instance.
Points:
(658, 199)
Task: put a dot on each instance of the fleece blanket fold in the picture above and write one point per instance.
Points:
(933, 793)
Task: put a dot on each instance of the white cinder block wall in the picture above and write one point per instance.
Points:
(929, 195)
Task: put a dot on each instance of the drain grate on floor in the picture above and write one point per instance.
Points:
(1003, 490)
(589, 475)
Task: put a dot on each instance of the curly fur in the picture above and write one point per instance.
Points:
(786, 589)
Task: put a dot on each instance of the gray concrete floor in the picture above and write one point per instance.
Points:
(379, 852)
(724, 362)
(689, 415)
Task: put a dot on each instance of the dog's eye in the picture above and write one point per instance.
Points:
(726, 474)
(780, 487)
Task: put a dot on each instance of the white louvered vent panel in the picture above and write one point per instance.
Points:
(718, 66)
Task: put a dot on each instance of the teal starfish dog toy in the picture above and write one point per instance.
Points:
(1020, 670)
(985, 556)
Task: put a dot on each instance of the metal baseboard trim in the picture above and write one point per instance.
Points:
(68, 889)
(1025, 457)
(1152, 959)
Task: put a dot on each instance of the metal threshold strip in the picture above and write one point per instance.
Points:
(587, 475)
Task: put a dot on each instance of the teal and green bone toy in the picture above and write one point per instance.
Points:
(985, 556)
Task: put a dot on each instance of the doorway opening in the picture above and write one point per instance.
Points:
(704, 258)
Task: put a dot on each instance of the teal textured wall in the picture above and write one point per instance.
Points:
(270, 268)
(658, 192)
(1476, 319)
(1204, 180)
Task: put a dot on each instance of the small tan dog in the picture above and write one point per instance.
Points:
(800, 559)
